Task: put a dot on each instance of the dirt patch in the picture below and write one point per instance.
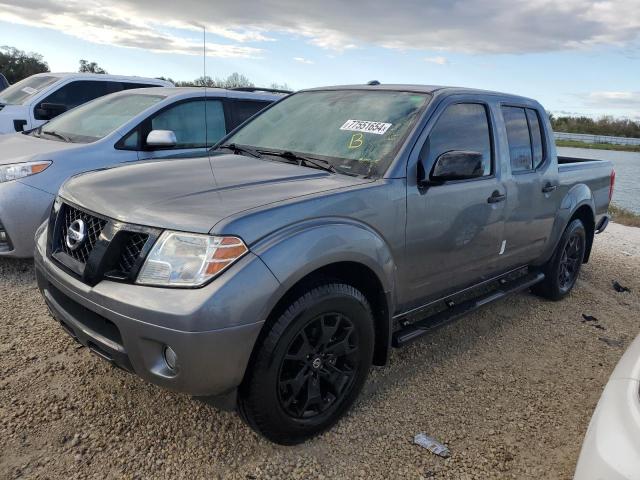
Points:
(510, 389)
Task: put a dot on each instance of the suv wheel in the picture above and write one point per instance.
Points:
(561, 272)
(311, 365)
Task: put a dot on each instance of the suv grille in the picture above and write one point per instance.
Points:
(94, 226)
(131, 251)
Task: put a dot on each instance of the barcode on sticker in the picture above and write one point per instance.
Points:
(365, 126)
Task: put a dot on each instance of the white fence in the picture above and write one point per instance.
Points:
(587, 138)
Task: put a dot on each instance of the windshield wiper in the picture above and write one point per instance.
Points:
(238, 149)
(303, 160)
(57, 135)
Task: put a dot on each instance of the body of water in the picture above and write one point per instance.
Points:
(627, 166)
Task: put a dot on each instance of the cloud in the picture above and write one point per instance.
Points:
(437, 60)
(621, 100)
(303, 60)
(468, 26)
(104, 25)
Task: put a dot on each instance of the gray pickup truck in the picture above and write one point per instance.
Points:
(336, 224)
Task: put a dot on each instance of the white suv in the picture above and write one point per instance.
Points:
(39, 98)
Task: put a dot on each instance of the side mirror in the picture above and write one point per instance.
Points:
(161, 138)
(457, 165)
(47, 111)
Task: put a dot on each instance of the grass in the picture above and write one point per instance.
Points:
(624, 216)
(598, 146)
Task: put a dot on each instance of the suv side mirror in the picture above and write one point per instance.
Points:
(161, 138)
(47, 111)
(457, 165)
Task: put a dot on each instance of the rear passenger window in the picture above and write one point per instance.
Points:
(462, 126)
(536, 137)
(244, 109)
(517, 126)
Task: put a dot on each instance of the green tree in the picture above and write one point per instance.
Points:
(90, 67)
(17, 65)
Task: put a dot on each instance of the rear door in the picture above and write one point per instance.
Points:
(454, 230)
(532, 185)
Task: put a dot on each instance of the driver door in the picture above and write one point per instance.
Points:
(194, 135)
(454, 229)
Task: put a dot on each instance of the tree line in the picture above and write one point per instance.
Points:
(16, 65)
(607, 125)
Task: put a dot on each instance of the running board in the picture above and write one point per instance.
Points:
(422, 327)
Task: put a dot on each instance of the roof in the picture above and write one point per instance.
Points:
(187, 92)
(98, 76)
(431, 89)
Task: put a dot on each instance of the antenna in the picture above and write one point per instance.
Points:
(204, 79)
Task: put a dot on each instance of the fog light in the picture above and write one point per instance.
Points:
(3, 237)
(170, 357)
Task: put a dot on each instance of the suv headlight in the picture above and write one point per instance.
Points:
(188, 259)
(21, 170)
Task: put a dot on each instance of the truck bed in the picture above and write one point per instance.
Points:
(596, 174)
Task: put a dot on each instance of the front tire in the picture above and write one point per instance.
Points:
(561, 272)
(310, 366)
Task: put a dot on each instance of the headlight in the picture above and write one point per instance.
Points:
(21, 170)
(188, 259)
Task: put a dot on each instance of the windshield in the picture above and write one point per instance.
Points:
(358, 131)
(17, 93)
(97, 119)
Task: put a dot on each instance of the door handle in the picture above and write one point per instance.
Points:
(549, 188)
(496, 197)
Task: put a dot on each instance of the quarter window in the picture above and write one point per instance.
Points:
(515, 121)
(187, 121)
(462, 126)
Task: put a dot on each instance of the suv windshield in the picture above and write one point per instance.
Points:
(358, 131)
(23, 90)
(97, 119)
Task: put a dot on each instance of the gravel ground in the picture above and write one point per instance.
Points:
(510, 389)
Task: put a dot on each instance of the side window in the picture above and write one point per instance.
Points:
(129, 86)
(536, 137)
(187, 121)
(76, 93)
(130, 142)
(244, 109)
(516, 123)
(462, 126)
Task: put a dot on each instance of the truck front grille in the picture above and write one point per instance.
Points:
(131, 251)
(93, 225)
(110, 249)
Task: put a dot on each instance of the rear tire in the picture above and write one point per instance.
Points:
(310, 366)
(562, 270)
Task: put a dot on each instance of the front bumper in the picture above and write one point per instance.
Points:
(212, 329)
(22, 210)
(611, 448)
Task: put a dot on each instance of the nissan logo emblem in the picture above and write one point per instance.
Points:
(76, 234)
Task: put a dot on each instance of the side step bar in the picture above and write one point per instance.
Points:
(421, 327)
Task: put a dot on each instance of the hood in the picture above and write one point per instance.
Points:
(194, 194)
(17, 147)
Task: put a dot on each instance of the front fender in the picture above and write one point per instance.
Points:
(295, 252)
(576, 197)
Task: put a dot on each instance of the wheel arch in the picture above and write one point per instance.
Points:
(339, 251)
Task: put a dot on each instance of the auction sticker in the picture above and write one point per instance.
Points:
(365, 126)
(29, 90)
